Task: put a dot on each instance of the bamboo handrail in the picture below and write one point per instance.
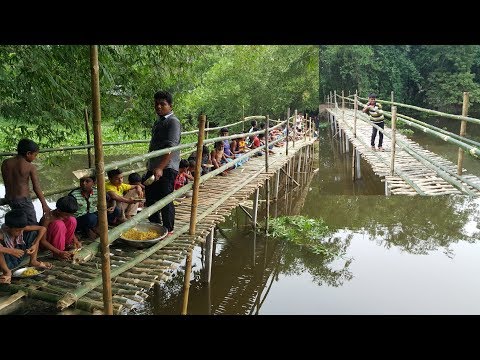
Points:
(425, 110)
(445, 174)
(90, 250)
(71, 297)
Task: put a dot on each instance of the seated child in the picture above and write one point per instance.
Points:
(218, 156)
(205, 159)
(115, 189)
(129, 210)
(17, 240)
(182, 176)
(87, 214)
(61, 225)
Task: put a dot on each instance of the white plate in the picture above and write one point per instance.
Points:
(19, 272)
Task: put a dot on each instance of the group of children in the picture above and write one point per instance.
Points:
(21, 235)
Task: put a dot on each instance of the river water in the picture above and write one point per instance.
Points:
(401, 255)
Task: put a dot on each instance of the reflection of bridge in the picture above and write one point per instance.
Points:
(241, 291)
(409, 169)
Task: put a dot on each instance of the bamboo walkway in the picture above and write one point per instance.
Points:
(416, 178)
(129, 289)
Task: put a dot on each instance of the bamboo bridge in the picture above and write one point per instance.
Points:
(133, 272)
(407, 168)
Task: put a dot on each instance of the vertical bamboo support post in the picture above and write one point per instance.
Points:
(196, 178)
(267, 185)
(255, 208)
(209, 255)
(186, 282)
(357, 163)
(355, 109)
(394, 132)
(288, 125)
(100, 173)
(331, 100)
(463, 130)
(87, 130)
(206, 129)
(353, 162)
(335, 105)
(277, 185)
(294, 128)
(391, 97)
(343, 101)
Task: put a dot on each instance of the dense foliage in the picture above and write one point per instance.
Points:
(434, 76)
(45, 89)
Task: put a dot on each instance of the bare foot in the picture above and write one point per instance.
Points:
(5, 279)
(45, 265)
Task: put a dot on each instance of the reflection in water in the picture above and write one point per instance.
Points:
(403, 255)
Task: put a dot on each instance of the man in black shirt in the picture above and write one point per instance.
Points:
(165, 133)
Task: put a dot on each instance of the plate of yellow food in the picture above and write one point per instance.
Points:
(144, 234)
(28, 271)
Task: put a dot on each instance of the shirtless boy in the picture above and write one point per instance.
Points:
(16, 172)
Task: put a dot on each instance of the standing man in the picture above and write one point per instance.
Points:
(165, 133)
(375, 112)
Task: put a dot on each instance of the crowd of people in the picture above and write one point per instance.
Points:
(76, 214)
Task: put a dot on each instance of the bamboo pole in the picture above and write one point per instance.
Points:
(89, 251)
(391, 97)
(87, 130)
(206, 132)
(71, 297)
(267, 187)
(117, 164)
(186, 282)
(441, 171)
(99, 166)
(198, 169)
(355, 107)
(288, 125)
(432, 112)
(394, 131)
(343, 101)
(295, 128)
(463, 130)
(437, 132)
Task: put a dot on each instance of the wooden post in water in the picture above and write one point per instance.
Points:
(209, 255)
(394, 132)
(100, 173)
(463, 130)
(255, 208)
(87, 129)
(353, 163)
(193, 211)
(196, 178)
(357, 162)
(267, 185)
(186, 282)
(355, 109)
(288, 126)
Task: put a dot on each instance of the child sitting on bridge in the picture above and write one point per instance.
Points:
(61, 225)
(115, 189)
(17, 240)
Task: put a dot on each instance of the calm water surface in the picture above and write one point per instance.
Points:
(401, 255)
